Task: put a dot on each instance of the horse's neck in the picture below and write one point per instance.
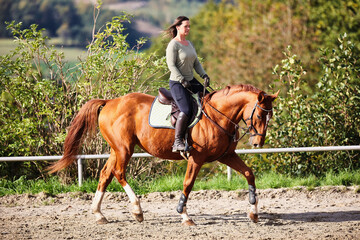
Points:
(230, 106)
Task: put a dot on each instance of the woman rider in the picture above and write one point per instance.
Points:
(181, 59)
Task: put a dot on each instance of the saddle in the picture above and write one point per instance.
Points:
(166, 98)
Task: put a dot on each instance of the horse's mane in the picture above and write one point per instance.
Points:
(234, 88)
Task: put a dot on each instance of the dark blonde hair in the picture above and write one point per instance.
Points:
(172, 31)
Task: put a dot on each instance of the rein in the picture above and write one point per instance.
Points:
(236, 126)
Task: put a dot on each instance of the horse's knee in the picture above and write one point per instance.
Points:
(250, 177)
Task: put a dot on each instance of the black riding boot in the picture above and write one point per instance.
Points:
(180, 130)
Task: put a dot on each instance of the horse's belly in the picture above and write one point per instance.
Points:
(158, 142)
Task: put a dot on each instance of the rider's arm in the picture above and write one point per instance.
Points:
(171, 58)
(197, 65)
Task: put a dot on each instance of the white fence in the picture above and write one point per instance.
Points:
(137, 155)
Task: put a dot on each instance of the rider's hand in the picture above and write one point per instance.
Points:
(206, 81)
(185, 83)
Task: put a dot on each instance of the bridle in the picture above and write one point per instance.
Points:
(251, 120)
(236, 126)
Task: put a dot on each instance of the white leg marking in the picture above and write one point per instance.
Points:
(253, 214)
(96, 204)
(133, 199)
(185, 216)
(254, 208)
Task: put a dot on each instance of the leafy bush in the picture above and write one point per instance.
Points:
(36, 100)
(329, 117)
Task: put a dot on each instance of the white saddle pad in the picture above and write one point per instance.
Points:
(160, 114)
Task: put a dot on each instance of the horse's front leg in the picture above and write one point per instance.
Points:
(192, 171)
(234, 161)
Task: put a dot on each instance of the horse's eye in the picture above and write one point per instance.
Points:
(258, 116)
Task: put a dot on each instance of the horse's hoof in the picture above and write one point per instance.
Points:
(254, 217)
(188, 223)
(138, 217)
(102, 221)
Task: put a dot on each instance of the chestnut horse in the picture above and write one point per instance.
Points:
(124, 123)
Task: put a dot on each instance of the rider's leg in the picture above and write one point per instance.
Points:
(182, 98)
(180, 130)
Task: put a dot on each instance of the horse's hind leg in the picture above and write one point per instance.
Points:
(234, 161)
(106, 176)
(123, 155)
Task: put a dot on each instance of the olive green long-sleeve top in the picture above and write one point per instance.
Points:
(181, 61)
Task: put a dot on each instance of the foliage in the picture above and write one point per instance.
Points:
(327, 118)
(329, 18)
(36, 99)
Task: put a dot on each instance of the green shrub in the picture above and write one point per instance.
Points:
(329, 117)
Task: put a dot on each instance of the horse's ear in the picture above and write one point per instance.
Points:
(227, 90)
(274, 96)
(261, 96)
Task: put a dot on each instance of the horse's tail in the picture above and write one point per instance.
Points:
(84, 122)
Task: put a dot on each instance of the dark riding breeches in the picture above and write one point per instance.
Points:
(182, 96)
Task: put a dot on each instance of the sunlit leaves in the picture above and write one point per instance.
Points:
(328, 117)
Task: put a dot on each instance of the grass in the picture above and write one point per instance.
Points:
(53, 186)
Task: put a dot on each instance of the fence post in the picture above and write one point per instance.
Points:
(229, 171)
(80, 171)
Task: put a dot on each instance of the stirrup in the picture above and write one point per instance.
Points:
(186, 152)
(185, 155)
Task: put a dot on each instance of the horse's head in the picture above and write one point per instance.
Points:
(257, 115)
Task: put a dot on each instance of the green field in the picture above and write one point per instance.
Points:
(71, 54)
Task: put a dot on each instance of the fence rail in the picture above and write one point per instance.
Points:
(137, 155)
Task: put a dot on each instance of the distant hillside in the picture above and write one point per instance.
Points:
(152, 16)
(72, 20)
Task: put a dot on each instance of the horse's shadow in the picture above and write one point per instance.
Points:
(265, 218)
(209, 219)
(339, 216)
(281, 218)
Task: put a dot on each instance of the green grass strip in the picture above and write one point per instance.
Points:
(53, 185)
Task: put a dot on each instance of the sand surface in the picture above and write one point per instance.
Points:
(322, 213)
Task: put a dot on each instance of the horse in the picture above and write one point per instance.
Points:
(123, 123)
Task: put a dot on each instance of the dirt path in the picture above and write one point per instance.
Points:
(324, 213)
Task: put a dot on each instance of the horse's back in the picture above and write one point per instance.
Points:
(127, 104)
